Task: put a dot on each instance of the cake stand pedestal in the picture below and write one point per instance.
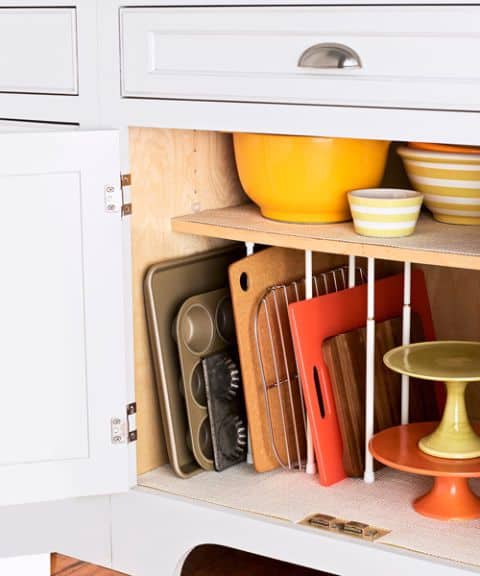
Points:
(457, 363)
(451, 496)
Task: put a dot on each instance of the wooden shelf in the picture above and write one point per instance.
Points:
(432, 243)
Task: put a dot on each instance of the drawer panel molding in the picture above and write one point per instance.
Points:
(38, 50)
(407, 56)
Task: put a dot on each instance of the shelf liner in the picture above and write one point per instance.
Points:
(429, 236)
(292, 496)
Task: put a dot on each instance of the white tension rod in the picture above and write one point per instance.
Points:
(249, 246)
(351, 271)
(369, 475)
(308, 275)
(406, 331)
(311, 467)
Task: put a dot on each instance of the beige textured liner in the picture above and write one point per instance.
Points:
(293, 496)
(432, 242)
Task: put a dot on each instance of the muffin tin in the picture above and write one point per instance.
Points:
(226, 409)
(204, 326)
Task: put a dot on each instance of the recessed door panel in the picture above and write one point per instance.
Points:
(63, 352)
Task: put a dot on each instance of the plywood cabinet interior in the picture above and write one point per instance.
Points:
(178, 172)
(453, 297)
(174, 172)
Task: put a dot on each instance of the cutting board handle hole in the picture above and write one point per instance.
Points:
(244, 281)
(318, 388)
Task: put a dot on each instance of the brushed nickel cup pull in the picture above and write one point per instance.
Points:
(328, 55)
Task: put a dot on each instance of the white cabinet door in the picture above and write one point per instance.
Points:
(62, 316)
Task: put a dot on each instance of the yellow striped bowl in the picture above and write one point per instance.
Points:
(450, 183)
(385, 212)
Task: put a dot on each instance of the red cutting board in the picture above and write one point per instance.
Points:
(312, 322)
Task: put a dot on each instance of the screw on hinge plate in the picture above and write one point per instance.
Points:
(117, 429)
(112, 199)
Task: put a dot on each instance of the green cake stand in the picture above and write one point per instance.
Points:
(456, 363)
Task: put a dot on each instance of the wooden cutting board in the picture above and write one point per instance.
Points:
(249, 280)
(345, 359)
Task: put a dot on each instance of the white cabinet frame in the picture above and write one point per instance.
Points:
(143, 532)
(163, 529)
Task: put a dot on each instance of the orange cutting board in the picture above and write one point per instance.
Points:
(249, 280)
(315, 320)
(345, 360)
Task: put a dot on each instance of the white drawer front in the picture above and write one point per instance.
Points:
(38, 50)
(411, 56)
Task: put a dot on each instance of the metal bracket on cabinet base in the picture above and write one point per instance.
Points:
(347, 527)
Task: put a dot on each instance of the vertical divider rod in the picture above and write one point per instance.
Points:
(351, 271)
(369, 474)
(311, 467)
(406, 335)
(249, 246)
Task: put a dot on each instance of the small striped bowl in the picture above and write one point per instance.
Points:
(385, 212)
(450, 183)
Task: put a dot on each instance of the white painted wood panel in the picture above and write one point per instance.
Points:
(38, 565)
(229, 3)
(43, 331)
(78, 527)
(141, 548)
(334, 121)
(62, 334)
(38, 50)
(412, 57)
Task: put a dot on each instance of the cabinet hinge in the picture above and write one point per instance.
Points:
(124, 429)
(126, 182)
(347, 527)
(132, 421)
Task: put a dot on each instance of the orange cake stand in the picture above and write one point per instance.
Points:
(450, 497)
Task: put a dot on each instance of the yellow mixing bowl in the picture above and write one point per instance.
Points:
(304, 178)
